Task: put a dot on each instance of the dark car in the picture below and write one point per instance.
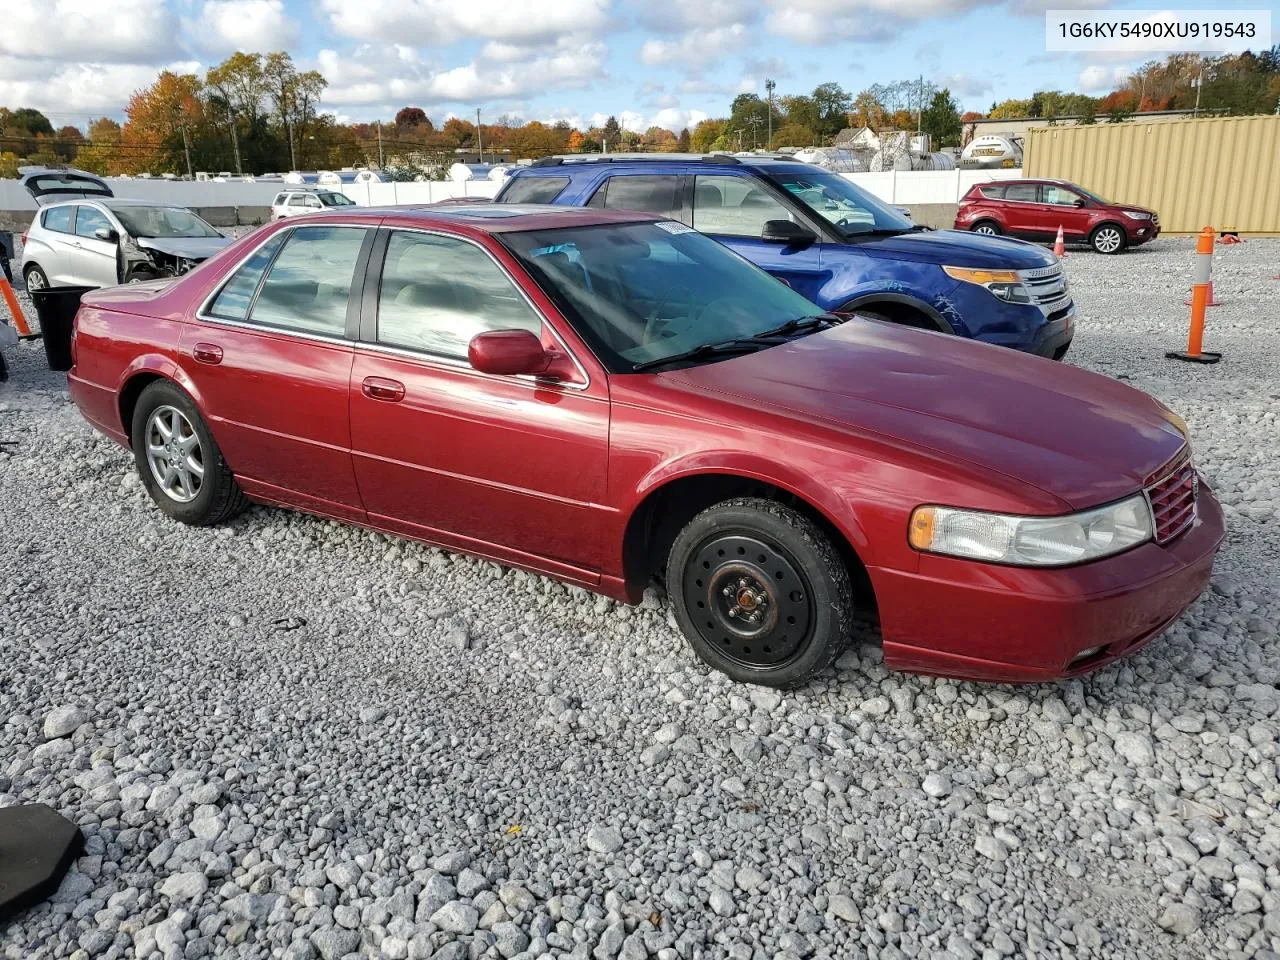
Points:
(608, 398)
(832, 241)
(1036, 209)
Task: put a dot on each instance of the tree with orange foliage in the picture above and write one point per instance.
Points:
(576, 140)
(156, 118)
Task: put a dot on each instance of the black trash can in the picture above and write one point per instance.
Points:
(56, 307)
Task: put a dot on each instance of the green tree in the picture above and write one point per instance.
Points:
(941, 120)
(801, 111)
(9, 162)
(705, 135)
(683, 142)
(833, 109)
(612, 132)
(793, 135)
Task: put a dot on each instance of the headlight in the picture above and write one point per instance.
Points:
(1032, 541)
(1003, 284)
(1137, 216)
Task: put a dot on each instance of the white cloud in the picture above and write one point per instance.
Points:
(695, 48)
(1098, 78)
(677, 16)
(436, 22)
(964, 84)
(67, 90)
(676, 120)
(254, 26)
(367, 77)
(122, 31)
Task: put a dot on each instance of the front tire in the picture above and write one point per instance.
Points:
(35, 279)
(178, 460)
(760, 592)
(1108, 239)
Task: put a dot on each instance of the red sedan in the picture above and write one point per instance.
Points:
(611, 399)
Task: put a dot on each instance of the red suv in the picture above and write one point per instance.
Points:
(1035, 209)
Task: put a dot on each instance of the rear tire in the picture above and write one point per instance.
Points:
(178, 460)
(35, 278)
(1108, 239)
(760, 592)
(987, 227)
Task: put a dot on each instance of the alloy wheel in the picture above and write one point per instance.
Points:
(35, 280)
(174, 454)
(986, 229)
(749, 599)
(1107, 240)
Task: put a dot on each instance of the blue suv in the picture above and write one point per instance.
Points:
(830, 240)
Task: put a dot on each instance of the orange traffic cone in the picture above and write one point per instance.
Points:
(1059, 245)
(19, 320)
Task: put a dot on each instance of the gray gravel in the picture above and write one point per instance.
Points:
(277, 746)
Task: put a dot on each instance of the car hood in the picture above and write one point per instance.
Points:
(1081, 437)
(189, 248)
(959, 248)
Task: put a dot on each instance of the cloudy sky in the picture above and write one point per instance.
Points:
(670, 63)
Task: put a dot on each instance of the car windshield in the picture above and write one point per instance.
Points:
(158, 222)
(642, 293)
(336, 200)
(851, 209)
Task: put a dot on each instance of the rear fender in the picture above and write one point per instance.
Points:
(153, 365)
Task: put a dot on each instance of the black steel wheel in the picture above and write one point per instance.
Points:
(760, 592)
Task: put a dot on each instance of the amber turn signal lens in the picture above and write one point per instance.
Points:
(921, 532)
(970, 275)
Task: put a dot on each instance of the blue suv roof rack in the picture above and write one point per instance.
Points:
(634, 158)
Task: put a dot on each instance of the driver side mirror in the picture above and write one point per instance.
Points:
(509, 353)
(1079, 202)
(107, 234)
(786, 231)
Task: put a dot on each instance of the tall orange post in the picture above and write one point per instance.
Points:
(19, 320)
(1200, 294)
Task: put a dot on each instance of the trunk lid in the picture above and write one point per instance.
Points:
(47, 185)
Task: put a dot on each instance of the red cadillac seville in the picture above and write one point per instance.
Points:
(611, 399)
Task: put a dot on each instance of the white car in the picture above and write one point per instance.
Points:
(83, 235)
(291, 202)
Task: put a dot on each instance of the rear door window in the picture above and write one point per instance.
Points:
(646, 194)
(236, 296)
(533, 189)
(993, 191)
(1023, 192)
(309, 282)
(58, 219)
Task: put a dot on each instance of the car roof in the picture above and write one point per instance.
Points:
(578, 164)
(504, 217)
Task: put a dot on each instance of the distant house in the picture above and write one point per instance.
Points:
(859, 139)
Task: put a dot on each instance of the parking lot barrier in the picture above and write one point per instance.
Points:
(1201, 292)
(19, 320)
(1059, 244)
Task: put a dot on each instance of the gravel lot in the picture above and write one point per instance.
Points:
(290, 738)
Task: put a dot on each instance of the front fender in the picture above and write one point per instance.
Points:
(826, 499)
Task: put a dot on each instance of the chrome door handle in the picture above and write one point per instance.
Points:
(382, 388)
(209, 353)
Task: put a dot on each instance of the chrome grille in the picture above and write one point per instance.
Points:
(1173, 500)
(1045, 284)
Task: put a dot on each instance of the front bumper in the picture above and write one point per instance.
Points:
(976, 621)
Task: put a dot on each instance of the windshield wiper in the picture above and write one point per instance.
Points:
(701, 351)
(799, 323)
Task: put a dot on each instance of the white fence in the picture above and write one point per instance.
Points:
(902, 187)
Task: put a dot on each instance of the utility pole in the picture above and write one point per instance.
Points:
(380, 163)
(1199, 82)
(919, 103)
(768, 86)
(186, 149)
(479, 140)
(235, 140)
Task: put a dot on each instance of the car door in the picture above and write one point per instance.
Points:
(1068, 208)
(1022, 208)
(270, 357)
(734, 210)
(509, 466)
(57, 259)
(96, 260)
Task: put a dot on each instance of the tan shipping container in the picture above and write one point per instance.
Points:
(1222, 172)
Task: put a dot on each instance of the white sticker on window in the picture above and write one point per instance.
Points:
(672, 227)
